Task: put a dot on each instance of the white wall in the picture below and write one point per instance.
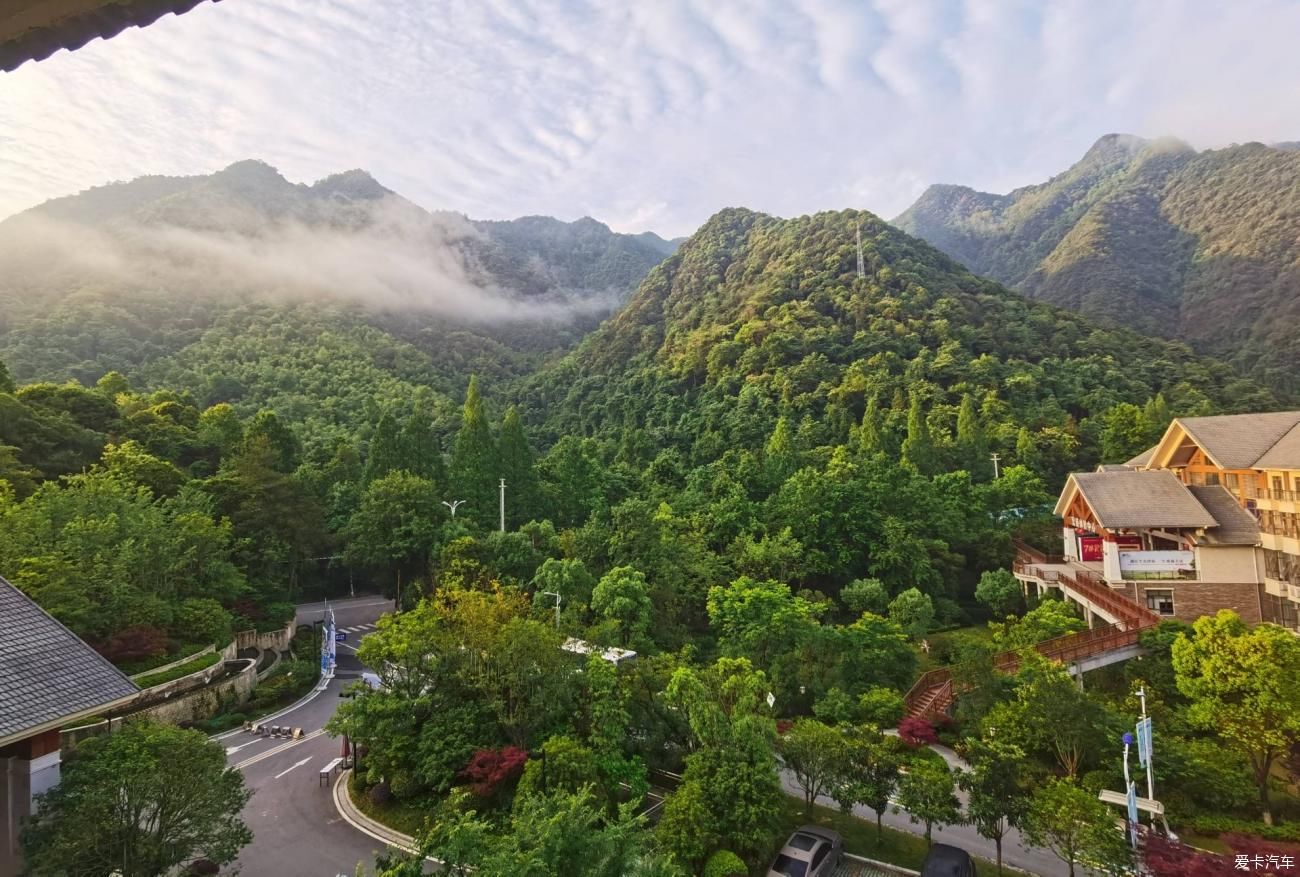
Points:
(1228, 563)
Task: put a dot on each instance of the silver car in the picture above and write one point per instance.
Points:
(811, 851)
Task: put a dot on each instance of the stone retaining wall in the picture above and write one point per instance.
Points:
(202, 704)
(276, 640)
(165, 667)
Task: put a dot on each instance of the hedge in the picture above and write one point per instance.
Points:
(175, 673)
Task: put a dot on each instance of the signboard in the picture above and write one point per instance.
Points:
(341, 636)
(1144, 741)
(1129, 543)
(1132, 812)
(1090, 548)
(1157, 564)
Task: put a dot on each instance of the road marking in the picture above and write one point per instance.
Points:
(346, 646)
(231, 750)
(268, 753)
(292, 767)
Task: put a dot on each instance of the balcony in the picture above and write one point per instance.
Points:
(1271, 494)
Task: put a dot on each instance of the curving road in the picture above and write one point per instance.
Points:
(296, 829)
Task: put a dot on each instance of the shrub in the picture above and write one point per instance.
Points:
(836, 708)
(134, 643)
(917, 732)
(493, 770)
(1229, 826)
(882, 707)
(202, 620)
(725, 863)
(865, 595)
(380, 794)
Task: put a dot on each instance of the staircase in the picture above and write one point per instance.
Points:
(934, 693)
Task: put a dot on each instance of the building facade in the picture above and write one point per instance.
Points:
(1208, 519)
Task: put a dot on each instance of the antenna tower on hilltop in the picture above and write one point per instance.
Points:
(862, 270)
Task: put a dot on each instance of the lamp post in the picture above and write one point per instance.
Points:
(453, 505)
(558, 598)
(1130, 815)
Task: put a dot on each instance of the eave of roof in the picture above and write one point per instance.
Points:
(32, 30)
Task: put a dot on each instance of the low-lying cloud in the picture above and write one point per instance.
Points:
(389, 257)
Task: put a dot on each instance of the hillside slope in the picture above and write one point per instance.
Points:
(1151, 235)
(757, 318)
(127, 275)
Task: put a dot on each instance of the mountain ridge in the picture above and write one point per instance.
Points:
(1199, 246)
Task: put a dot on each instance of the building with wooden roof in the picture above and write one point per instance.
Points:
(1207, 519)
(49, 679)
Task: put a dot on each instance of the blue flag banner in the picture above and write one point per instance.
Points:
(1144, 741)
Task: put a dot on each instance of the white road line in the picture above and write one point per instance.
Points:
(291, 767)
(231, 750)
(268, 753)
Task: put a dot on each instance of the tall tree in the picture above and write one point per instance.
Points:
(816, 754)
(475, 468)
(918, 447)
(267, 426)
(623, 597)
(871, 773)
(395, 526)
(419, 451)
(972, 445)
(870, 435)
(139, 802)
(385, 452)
(6, 380)
(522, 501)
(1244, 684)
(1074, 825)
(928, 793)
(997, 798)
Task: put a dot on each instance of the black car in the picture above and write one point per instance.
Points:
(946, 861)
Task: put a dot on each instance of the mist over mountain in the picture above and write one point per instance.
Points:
(127, 274)
(1152, 235)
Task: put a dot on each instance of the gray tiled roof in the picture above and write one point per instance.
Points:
(1141, 459)
(1236, 525)
(1285, 453)
(1141, 498)
(1239, 441)
(46, 672)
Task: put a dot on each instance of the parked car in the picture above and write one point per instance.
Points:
(811, 851)
(947, 861)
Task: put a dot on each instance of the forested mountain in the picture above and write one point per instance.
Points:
(1152, 235)
(246, 288)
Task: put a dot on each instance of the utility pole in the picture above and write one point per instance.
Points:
(1146, 746)
(503, 505)
(995, 458)
(557, 606)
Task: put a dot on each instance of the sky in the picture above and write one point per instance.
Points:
(653, 114)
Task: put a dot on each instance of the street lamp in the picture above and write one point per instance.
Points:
(453, 505)
(558, 598)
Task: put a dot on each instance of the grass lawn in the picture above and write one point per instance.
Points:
(895, 847)
(408, 817)
(940, 648)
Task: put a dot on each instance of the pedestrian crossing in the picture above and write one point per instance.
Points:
(359, 628)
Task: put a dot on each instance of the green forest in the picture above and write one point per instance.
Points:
(765, 474)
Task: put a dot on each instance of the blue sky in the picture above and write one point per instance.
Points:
(650, 114)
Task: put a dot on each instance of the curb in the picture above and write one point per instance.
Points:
(300, 702)
(367, 826)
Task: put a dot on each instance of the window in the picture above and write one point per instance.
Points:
(789, 867)
(1277, 485)
(1161, 602)
(1195, 477)
(821, 854)
(1232, 480)
(1211, 477)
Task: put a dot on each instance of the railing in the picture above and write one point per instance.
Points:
(935, 692)
(1270, 493)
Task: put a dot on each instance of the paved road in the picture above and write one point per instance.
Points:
(1032, 859)
(296, 830)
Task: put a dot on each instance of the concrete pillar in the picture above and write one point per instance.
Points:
(1071, 543)
(27, 769)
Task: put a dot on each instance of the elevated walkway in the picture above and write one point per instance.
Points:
(935, 692)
